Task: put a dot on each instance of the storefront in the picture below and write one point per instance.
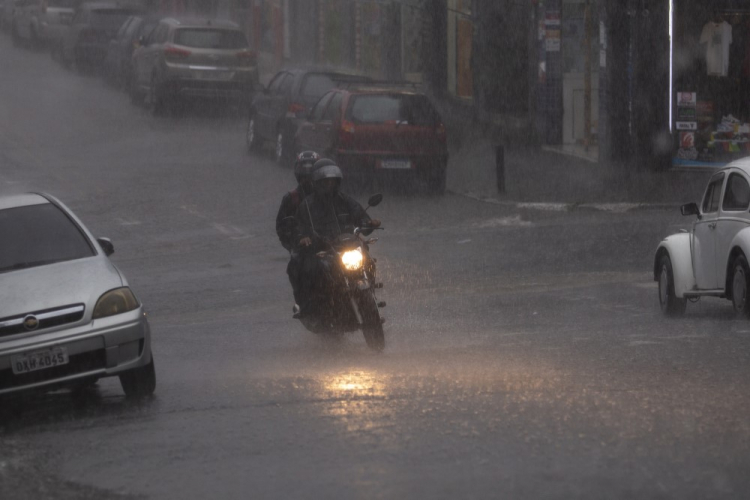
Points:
(710, 81)
(571, 54)
(460, 42)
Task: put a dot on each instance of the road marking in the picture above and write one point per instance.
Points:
(126, 222)
(233, 232)
(513, 221)
(463, 242)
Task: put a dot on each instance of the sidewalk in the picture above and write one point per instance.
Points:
(534, 175)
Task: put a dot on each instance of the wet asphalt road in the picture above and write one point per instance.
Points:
(525, 358)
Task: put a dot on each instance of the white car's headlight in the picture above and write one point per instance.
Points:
(117, 301)
(352, 259)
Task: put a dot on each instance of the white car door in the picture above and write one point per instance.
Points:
(704, 236)
(733, 217)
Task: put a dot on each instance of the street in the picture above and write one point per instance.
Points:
(526, 356)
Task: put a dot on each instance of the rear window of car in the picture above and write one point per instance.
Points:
(63, 4)
(317, 85)
(382, 108)
(109, 19)
(203, 38)
(37, 235)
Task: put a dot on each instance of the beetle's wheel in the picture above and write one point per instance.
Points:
(739, 286)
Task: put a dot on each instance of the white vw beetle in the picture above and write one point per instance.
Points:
(712, 260)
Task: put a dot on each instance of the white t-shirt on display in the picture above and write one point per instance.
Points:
(718, 38)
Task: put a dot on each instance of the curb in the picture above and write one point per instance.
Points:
(615, 208)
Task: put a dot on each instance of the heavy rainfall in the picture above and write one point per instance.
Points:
(525, 313)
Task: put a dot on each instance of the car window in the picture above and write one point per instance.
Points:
(146, 28)
(37, 235)
(334, 108)
(109, 19)
(159, 35)
(713, 193)
(276, 82)
(286, 85)
(315, 85)
(132, 27)
(382, 108)
(737, 194)
(317, 112)
(124, 28)
(207, 38)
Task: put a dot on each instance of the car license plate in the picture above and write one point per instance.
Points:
(396, 164)
(213, 75)
(39, 360)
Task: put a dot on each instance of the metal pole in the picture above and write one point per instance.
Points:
(500, 168)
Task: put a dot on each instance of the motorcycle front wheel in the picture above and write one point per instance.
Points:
(372, 326)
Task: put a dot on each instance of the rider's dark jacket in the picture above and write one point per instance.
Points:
(289, 205)
(320, 216)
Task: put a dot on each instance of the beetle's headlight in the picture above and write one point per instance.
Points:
(117, 301)
(352, 259)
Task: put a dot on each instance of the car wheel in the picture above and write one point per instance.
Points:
(139, 382)
(155, 98)
(670, 304)
(254, 142)
(436, 178)
(740, 273)
(136, 95)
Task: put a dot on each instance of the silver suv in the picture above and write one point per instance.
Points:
(193, 58)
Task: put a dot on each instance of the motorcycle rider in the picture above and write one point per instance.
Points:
(321, 218)
(303, 169)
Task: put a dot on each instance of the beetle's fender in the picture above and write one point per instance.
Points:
(740, 244)
(677, 246)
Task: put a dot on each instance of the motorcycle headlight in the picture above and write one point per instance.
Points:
(352, 259)
(117, 301)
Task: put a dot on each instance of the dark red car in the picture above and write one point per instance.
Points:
(372, 132)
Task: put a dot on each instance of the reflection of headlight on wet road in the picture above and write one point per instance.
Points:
(352, 259)
(357, 384)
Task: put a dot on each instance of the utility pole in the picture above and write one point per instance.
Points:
(588, 27)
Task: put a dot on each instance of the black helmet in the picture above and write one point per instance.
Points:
(327, 169)
(304, 165)
(323, 162)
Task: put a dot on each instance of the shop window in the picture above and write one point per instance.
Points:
(460, 39)
(737, 195)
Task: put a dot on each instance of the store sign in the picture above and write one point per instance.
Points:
(687, 140)
(687, 126)
(553, 33)
(686, 114)
(687, 99)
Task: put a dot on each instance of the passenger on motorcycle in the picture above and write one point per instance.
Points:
(286, 218)
(321, 218)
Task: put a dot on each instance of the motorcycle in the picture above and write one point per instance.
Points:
(347, 301)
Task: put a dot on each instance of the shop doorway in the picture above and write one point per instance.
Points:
(580, 41)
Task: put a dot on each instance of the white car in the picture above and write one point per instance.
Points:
(67, 314)
(712, 259)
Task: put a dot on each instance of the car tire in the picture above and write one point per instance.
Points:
(136, 95)
(254, 142)
(739, 283)
(139, 382)
(436, 178)
(156, 99)
(670, 304)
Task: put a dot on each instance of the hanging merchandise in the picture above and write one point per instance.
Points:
(718, 37)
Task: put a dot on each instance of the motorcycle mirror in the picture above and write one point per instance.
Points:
(375, 200)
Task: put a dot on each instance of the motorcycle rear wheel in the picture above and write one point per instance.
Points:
(372, 326)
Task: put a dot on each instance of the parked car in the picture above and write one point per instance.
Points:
(712, 259)
(67, 314)
(6, 13)
(193, 59)
(379, 131)
(94, 24)
(276, 112)
(41, 21)
(117, 62)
